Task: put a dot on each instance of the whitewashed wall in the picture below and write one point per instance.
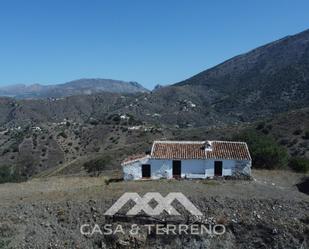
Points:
(161, 168)
(243, 168)
(133, 171)
(230, 167)
(193, 168)
(189, 168)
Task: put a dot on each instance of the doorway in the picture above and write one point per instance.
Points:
(176, 169)
(218, 168)
(146, 173)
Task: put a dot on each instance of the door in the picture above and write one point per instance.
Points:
(218, 168)
(146, 171)
(176, 169)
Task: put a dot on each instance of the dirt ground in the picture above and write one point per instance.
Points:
(265, 184)
(267, 212)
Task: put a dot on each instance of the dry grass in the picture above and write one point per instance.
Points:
(266, 184)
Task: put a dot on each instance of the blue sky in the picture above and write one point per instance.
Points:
(151, 42)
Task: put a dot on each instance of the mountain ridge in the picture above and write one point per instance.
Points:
(41, 134)
(268, 80)
(76, 87)
(270, 45)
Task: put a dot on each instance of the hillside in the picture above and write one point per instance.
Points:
(268, 85)
(76, 87)
(64, 147)
(267, 80)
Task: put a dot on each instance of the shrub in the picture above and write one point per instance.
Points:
(297, 132)
(97, 165)
(269, 126)
(265, 152)
(63, 134)
(260, 126)
(7, 174)
(5, 151)
(93, 121)
(299, 164)
(306, 136)
(284, 141)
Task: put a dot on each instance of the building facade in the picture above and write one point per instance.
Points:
(189, 159)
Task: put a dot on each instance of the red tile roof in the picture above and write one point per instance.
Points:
(196, 150)
(178, 150)
(228, 150)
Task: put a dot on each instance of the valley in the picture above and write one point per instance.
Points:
(61, 149)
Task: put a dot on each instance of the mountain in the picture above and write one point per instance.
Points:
(66, 132)
(268, 80)
(76, 87)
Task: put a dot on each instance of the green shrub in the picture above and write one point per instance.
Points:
(4, 244)
(297, 132)
(93, 121)
(306, 136)
(260, 126)
(98, 164)
(266, 153)
(63, 134)
(7, 174)
(299, 164)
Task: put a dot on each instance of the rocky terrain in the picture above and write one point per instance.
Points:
(52, 145)
(64, 147)
(267, 212)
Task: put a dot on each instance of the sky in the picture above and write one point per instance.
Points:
(148, 41)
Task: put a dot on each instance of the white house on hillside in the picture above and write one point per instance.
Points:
(189, 159)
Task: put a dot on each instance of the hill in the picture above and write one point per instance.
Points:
(265, 89)
(268, 80)
(76, 87)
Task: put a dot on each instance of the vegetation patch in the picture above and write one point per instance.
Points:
(299, 164)
(95, 166)
(265, 151)
(8, 174)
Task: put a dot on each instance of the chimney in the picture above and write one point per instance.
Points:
(208, 146)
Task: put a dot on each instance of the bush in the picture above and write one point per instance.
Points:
(299, 164)
(306, 136)
(93, 121)
(7, 174)
(297, 132)
(265, 152)
(63, 134)
(260, 126)
(97, 165)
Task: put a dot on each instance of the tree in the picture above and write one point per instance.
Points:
(299, 164)
(266, 152)
(95, 166)
(8, 174)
